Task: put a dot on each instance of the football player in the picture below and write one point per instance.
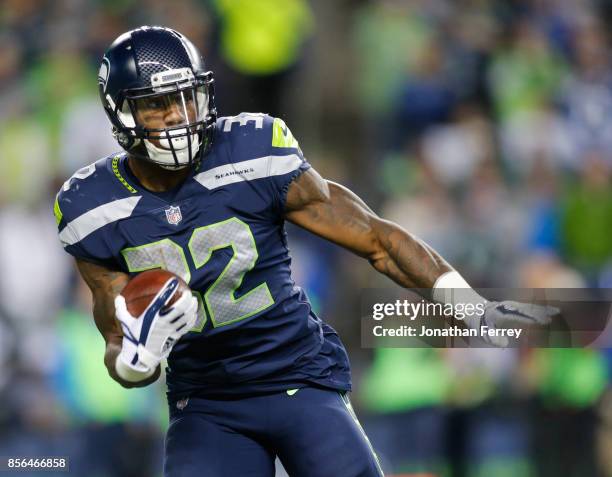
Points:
(252, 372)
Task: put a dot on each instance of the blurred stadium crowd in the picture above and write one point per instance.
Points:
(482, 126)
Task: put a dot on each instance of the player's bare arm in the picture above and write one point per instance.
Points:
(105, 285)
(337, 214)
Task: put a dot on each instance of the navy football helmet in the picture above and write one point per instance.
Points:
(158, 96)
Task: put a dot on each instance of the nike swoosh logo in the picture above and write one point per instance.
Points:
(510, 310)
(291, 392)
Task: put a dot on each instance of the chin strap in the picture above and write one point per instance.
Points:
(165, 158)
(173, 168)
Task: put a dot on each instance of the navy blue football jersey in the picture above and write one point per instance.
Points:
(222, 231)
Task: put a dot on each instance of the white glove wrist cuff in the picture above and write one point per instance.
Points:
(129, 372)
(451, 287)
(147, 359)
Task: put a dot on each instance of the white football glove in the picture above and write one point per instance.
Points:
(149, 338)
(452, 288)
(505, 314)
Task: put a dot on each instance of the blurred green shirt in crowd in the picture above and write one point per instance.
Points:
(265, 37)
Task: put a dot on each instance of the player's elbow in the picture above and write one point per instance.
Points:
(384, 244)
(379, 260)
(378, 244)
(377, 251)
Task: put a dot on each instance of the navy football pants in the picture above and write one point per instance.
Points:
(314, 432)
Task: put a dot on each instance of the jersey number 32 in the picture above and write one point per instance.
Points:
(221, 303)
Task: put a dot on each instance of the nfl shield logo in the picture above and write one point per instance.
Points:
(173, 214)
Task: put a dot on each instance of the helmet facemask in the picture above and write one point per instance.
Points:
(169, 122)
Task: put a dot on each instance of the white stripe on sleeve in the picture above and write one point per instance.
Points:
(89, 222)
(257, 168)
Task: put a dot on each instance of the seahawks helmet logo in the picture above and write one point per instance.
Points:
(103, 73)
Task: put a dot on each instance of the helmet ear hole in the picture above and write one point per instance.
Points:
(123, 139)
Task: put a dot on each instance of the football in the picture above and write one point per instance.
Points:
(142, 288)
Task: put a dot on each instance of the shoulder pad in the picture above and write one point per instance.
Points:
(89, 188)
(257, 135)
(252, 121)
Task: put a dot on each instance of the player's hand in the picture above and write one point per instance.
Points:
(149, 338)
(506, 314)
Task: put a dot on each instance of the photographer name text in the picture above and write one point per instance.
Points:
(469, 314)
